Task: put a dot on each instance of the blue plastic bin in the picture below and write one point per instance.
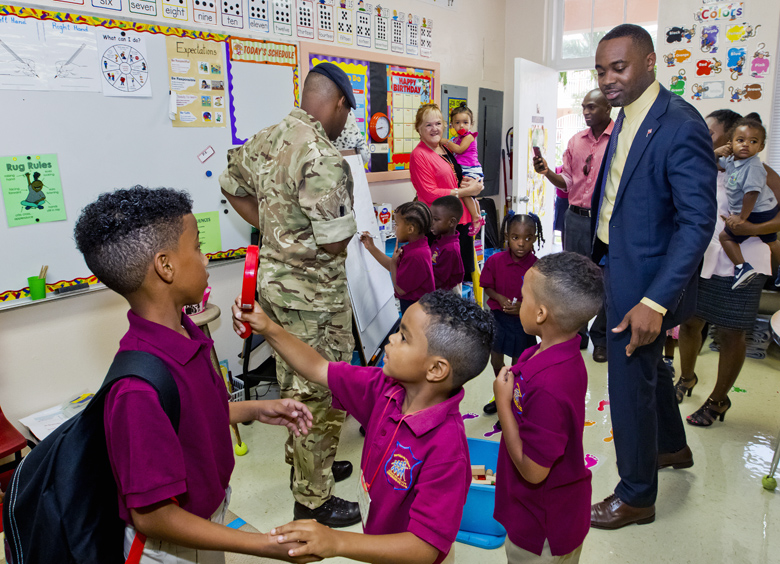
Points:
(478, 528)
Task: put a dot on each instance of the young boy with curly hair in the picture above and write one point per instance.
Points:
(415, 469)
(172, 488)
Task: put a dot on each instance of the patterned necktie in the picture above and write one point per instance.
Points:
(611, 148)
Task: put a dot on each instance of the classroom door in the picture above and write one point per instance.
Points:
(490, 116)
(535, 109)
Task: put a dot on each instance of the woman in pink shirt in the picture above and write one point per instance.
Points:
(435, 173)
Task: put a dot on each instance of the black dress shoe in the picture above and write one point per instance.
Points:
(334, 513)
(600, 354)
(490, 408)
(342, 469)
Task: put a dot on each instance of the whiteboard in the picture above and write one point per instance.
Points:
(370, 285)
(103, 143)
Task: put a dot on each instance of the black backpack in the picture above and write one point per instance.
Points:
(61, 504)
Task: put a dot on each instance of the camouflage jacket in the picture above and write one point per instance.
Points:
(303, 188)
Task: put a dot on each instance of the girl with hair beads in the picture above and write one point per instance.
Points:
(502, 280)
(465, 150)
(411, 266)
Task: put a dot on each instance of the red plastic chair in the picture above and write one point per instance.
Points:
(11, 442)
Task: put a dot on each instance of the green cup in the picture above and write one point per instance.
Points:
(37, 287)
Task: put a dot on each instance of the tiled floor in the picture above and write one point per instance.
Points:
(716, 512)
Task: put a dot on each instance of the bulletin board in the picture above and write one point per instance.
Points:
(388, 84)
(82, 141)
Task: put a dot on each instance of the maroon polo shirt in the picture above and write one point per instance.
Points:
(549, 406)
(447, 264)
(414, 272)
(504, 274)
(419, 476)
(149, 461)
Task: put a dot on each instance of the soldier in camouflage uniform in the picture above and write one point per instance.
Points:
(290, 182)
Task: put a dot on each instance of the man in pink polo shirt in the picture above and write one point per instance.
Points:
(581, 164)
(415, 469)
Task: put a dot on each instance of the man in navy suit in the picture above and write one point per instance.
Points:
(655, 197)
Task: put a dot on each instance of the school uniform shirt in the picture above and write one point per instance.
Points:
(414, 272)
(150, 462)
(418, 469)
(549, 407)
(505, 275)
(447, 264)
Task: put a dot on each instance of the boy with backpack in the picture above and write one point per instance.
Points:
(171, 481)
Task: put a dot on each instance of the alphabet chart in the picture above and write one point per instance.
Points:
(305, 19)
(258, 15)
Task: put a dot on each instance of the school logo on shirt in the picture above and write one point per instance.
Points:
(517, 397)
(399, 466)
(434, 256)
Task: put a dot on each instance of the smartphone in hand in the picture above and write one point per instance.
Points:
(537, 152)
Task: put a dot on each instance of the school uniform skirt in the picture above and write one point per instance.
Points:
(510, 338)
(731, 309)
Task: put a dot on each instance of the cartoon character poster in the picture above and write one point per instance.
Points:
(736, 61)
(709, 39)
(677, 84)
(537, 137)
(123, 63)
(32, 191)
(759, 67)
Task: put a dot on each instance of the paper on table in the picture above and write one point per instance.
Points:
(41, 424)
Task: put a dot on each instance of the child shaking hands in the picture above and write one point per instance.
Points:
(415, 468)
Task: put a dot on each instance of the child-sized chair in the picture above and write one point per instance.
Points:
(11, 442)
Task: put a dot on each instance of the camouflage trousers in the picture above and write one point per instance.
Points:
(312, 455)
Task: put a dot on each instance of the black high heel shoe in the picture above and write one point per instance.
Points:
(681, 388)
(709, 412)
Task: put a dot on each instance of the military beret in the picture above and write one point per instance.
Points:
(339, 77)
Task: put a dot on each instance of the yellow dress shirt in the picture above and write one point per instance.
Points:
(635, 114)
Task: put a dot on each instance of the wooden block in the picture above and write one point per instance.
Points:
(489, 472)
(478, 470)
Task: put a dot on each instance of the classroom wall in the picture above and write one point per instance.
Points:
(55, 349)
(756, 12)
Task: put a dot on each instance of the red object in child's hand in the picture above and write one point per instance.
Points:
(249, 287)
(463, 132)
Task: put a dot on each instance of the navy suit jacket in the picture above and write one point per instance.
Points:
(664, 213)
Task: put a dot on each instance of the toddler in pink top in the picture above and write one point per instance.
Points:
(465, 150)
(543, 489)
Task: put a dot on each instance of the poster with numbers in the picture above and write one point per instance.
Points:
(363, 25)
(426, 37)
(304, 19)
(412, 35)
(326, 21)
(258, 15)
(397, 32)
(381, 29)
(282, 17)
(344, 24)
